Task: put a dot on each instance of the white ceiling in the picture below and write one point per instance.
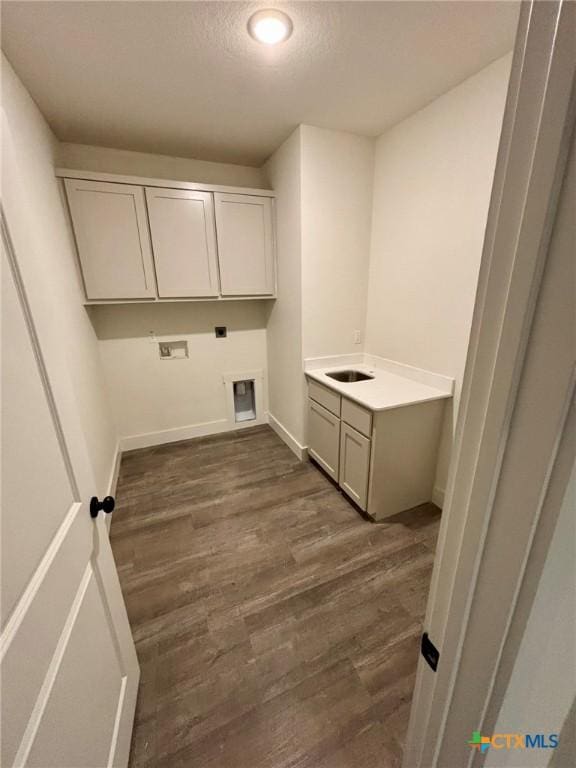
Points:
(185, 79)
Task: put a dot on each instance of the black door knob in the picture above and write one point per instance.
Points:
(107, 504)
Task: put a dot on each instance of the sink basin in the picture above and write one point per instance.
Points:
(349, 376)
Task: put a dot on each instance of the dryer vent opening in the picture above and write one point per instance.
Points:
(244, 400)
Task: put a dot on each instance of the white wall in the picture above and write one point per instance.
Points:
(323, 183)
(432, 184)
(286, 378)
(101, 159)
(542, 687)
(55, 294)
(151, 396)
(432, 176)
(337, 173)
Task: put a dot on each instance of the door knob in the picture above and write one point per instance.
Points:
(107, 504)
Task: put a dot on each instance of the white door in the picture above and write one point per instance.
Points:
(245, 244)
(69, 671)
(184, 242)
(324, 438)
(354, 464)
(111, 231)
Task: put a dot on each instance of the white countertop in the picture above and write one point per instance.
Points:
(386, 390)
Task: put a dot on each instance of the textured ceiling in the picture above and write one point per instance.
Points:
(184, 78)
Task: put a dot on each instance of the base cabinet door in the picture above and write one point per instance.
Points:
(354, 465)
(324, 438)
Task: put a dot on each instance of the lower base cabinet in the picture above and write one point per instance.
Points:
(385, 461)
(341, 451)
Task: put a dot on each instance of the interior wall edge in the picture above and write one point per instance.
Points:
(48, 262)
(337, 173)
(113, 481)
(101, 159)
(432, 181)
(438, 495)
(299, 450)
(114, 471)
(286, 385)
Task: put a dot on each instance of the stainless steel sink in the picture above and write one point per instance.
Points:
(349, 376)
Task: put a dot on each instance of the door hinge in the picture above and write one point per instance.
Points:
(429, 651)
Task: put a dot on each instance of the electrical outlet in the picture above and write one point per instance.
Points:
(357, 337)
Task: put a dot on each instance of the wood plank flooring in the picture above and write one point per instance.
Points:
(275, 627)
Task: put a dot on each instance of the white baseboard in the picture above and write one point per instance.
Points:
(163, 436)
(438, 496)
(296, 448)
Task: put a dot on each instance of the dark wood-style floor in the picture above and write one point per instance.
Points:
(275, 627)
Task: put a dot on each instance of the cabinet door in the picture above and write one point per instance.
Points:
(354, 465)
(245, 244)
(183, 241)
(324, 438)
(111, 231)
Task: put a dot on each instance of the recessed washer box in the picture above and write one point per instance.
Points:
(173, 350)
(244, 400)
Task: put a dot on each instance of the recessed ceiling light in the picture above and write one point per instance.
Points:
(270, 27)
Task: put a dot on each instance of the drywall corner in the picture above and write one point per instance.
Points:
(336, 200)
(85, 157)
(286, 385)
(432, 185)
(48, 264)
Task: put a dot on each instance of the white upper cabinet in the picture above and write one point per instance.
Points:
(111, 232)
(245, 244)
(183, 241)
(163, 240)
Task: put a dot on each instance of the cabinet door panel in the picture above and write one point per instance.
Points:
(354, 464)
(324, 438)
(245, 244)
(184, 242)
(111, 231)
